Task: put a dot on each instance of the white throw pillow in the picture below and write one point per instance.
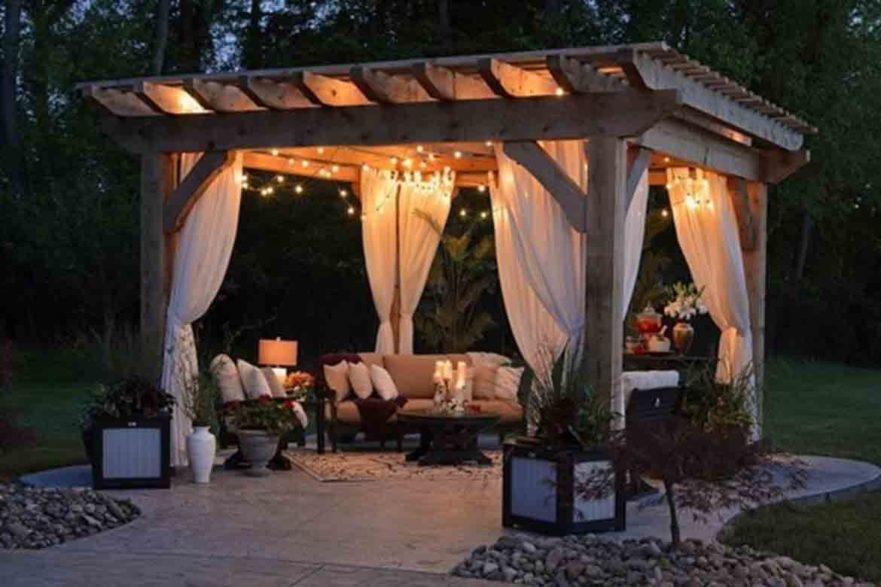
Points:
(508, 382)
(337, 379)
(383, 383)
(359, 377)
(253, 381)
(482, 359)
(275, 386)
(226, 376)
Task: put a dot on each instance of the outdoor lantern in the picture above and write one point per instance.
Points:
(278, 354)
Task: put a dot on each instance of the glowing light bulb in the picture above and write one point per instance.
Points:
(457, 154)
(365, 167)
(488, 143)
(481, 188)
(291, 161)
(419, 148)
(666, 159)
(274, 152)
(304, 163)
(483, 215)
(463, 213)
(279, 178)
(334, 168)
(393, 160)
(559, 91)
(344, 193)
(664, 213)
(270, 190)
(431, 157)
(320, 150)
(690, 201)
(298, 188)
(350, 210)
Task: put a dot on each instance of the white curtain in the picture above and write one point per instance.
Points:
(536, 332)
(549, 252)
(378, 193)
(634, 233)
(203, 251)
(706, 227)
(418, 201)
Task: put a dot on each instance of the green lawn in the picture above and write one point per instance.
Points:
(826, 409)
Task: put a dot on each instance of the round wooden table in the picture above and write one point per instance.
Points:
(447, 438)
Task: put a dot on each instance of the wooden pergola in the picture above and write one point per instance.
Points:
(641, 106)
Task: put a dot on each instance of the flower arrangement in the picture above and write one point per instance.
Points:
(299, 383)
(265, 414)
(686, 301)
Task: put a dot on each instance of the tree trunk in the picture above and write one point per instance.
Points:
(8, 95)
(674, 515)
(161, 37)
(443, 25)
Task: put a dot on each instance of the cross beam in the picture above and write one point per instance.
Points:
(188, 192)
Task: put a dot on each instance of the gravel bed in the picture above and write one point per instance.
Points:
(587, 560)
(32, 517)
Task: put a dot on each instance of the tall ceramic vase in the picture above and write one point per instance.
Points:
(683, 335)
(201, 446)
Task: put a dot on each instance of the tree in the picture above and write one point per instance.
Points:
(9, 94)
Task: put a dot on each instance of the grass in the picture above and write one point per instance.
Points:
(826, 409)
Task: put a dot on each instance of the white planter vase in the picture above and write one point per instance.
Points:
(201, 447)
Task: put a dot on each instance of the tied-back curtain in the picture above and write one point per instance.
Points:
(634, 234)
(423, 208)
(550, 253)
(536, 332)
(203, 251)
(378, 194)
(706, 226)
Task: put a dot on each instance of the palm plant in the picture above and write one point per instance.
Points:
(450, 318)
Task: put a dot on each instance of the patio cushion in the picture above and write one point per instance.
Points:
(253, 381)
(383, 383)
(336, 377)
(359, 378)
(275, 386)
(226, 377)
(509, 412)
(347, 413)
(508, 382)
(413, 373)
(371, 359)
(484, 382)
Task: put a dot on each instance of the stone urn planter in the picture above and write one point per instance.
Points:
(258, 447)
(201, 448)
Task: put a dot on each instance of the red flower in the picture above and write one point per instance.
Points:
(233, 405)
(264, 399)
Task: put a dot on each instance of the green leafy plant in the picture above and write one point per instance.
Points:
(566, 410)
(200, 401)
(132, 396)
(266, 414)
(450, 319)
(713, 405)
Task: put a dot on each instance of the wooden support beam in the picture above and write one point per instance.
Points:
(157, 179)
(778, 165)
(219, 97)
(387, 89)
(329, 91)
(643, 71)
(755, 271)
(284, 166)
(445, 84)
(511, 81)
(276, 95)
(604, 273)
(191, 188)
(576, 77)
(117, 102)
(553, 117)
(553, 178)
(746, 222)
(699, 147)
(167, 99)
(638, 159)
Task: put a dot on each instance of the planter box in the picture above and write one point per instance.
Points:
(538, 491)
(132, 453)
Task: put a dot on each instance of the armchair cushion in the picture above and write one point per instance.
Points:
(253, 380)
(359, 378)
(226, 376)
(412, 374)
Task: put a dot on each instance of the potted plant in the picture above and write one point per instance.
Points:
(541, 472)
(258, 425)
(200, 401)
(685, 303)
(126, 433)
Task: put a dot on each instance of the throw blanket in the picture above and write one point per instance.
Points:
(375, 412)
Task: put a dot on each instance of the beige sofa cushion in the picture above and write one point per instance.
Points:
(371, 359)
(226, 377)
(413, 373)
(508, 412)
(484, 382)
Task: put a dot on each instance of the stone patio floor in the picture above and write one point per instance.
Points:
(289, 529)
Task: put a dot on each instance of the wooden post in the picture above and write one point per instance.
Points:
(607, 165)
(157, 177)
(755, 267)
(395, 314)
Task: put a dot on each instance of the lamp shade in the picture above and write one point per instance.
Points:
(282, 353)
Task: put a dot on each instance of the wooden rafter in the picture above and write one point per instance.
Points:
(542, 166)
(167, 99)
(329, 91)
(576, 77)
(442, 83)
(552, 117)
(191, 188)
(219, 97)
(511, 81)
(387, 89)
(277, 95)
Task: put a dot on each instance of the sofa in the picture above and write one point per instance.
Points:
(413, 379)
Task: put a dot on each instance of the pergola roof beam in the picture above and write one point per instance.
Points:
(276, 95)
(442, 83)
(118, 103)
(511, 81)
(219, 97)
(576, 77)
(329, 91)
(167, 99)
(387, 89)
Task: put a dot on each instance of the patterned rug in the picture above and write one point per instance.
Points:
(375, 466)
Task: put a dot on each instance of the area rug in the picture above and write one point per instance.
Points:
(375, 466)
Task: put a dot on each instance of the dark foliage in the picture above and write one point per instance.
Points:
(132, 396)
(13, 435)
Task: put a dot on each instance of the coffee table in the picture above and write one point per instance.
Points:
(447, 438)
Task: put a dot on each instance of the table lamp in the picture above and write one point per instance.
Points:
(278, 354)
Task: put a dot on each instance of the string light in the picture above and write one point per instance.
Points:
(304, 163)
(334, 168)
(666, 159)
(291, 161)
(344, 193)
(279, 178)
(463, 213)
(408, 163)
(457, 154)
(488, 143)
(419, 148)
(321, 150)
(274, 152)
(483, 215)
(664, 213)
(559, 91)
(394, 160)
(481, 188)
(298, 188)
(350, 210)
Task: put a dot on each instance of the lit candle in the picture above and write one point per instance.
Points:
(438, 372)
(448, 370)
(461, 370)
